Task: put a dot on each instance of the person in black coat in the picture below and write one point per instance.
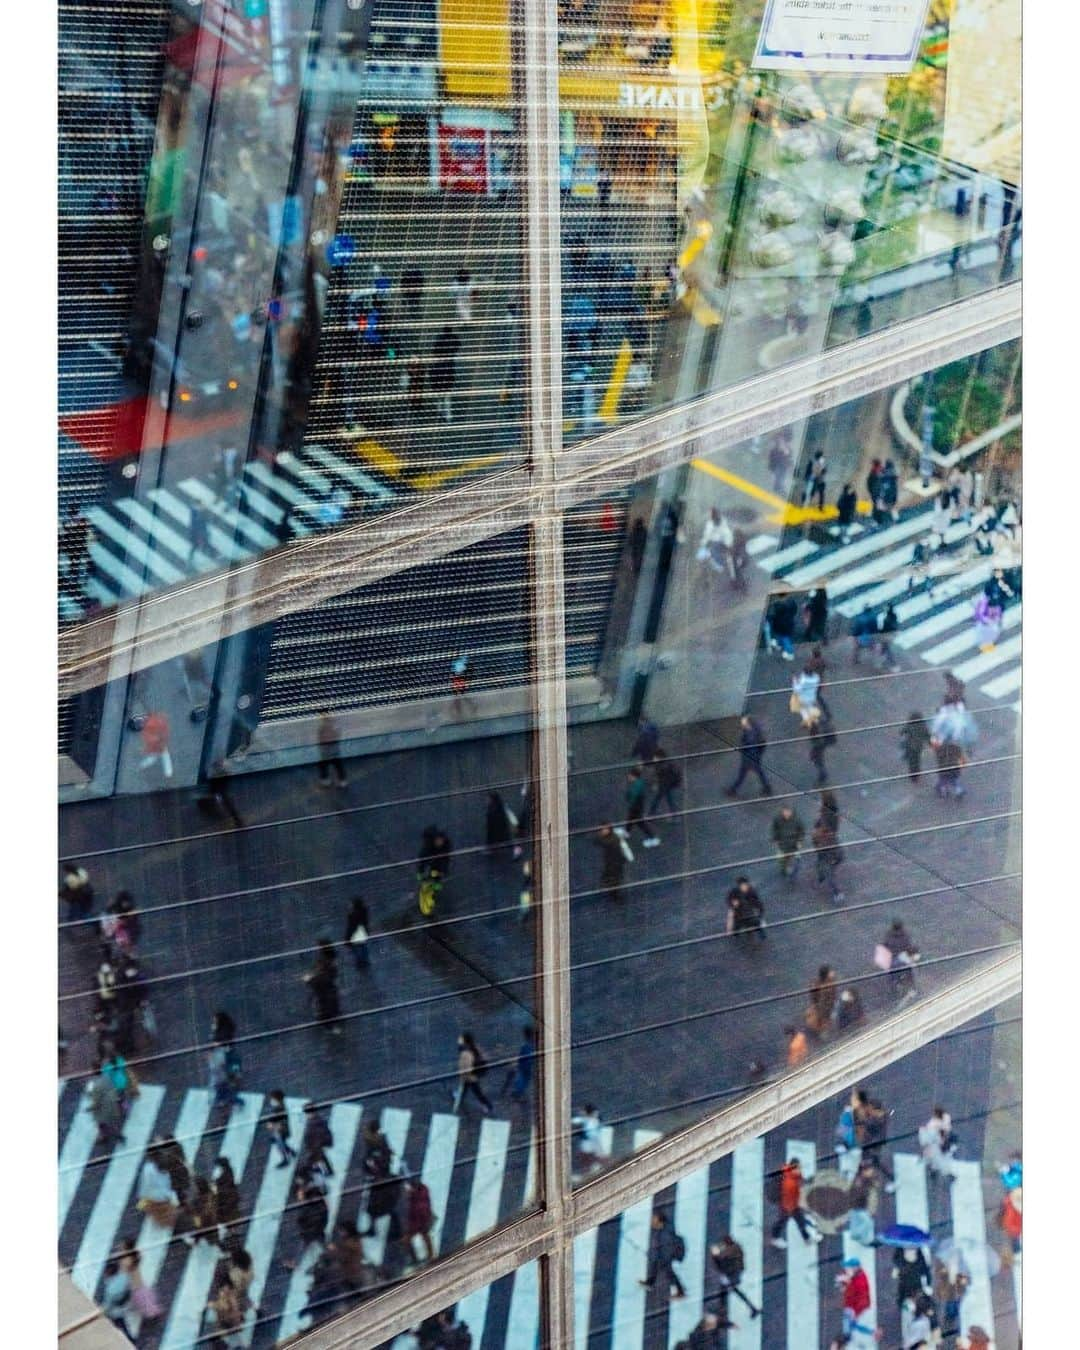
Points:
(613, 862)
(817, 615)
(752, 746)
(497, 824)
(745, 909)
(322, 982)
(846, 506)
(782, 617)
(311, 1218)
(356, 920)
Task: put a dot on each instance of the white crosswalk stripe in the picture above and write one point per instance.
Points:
(484, 1212)
(1005, 684)
(968, 639)
(830, 562)
(626, 1314)
(189, 1302)
(236, 520)
(997, 656)
(356, 477)
(115, 1193)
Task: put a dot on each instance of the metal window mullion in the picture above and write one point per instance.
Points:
(536, 73)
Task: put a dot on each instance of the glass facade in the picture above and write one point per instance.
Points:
(539, 596)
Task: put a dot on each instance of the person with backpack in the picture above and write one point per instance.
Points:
(729, 1262)
(665, 1248)
(864, 632)
(668, 777)
(708, 1334)
(614, 851)
(76, 892)
(952, 735)
(914, 738)
(471, 1069)
(871, 1132)
(785, 1190)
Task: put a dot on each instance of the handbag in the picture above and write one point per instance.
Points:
(794, 704)
(360, 935)
(883, 958)
(627, 851)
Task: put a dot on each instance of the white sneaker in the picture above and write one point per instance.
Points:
(788, 656)
(816, 1237)
(620, 831)
(652, 842)
(780, 1242)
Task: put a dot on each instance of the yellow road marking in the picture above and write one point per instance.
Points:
(609, 408)
(422, 482)
(785, 512)
(378, 455)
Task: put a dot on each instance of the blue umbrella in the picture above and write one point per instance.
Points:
(904, 1235)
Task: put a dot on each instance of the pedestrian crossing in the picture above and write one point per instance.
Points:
(479, 1174)
(935, 613)
(142, 544)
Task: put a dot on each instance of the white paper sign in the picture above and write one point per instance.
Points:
(848, 36)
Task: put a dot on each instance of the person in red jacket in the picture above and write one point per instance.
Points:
(790, 1202)
(419, 1219)
(856, 1286)
(155, 742)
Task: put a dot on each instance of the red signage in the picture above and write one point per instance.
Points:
(463, 159)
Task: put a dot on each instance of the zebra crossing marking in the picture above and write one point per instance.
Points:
(135, 548)
(969, 1230)
(760, 543)
(105, 560)
(155, 526)
(832, 561)
(112, 1198)
(1005, 684)
(968, 639)
(979, 665)
(283, 488)
(585, 1261)
(794, 553)
(235, 519)
(938, 623)
(912, 1206)
(317, 481)
(189, 1302)
(803, 1278)
(344, 1122)
(79, 1143)
(483, 1212)
(523, 1323)
(437, 1171)
(747, 1227)
(691, 1222)
(349, 472)
(631, 1263)
(152, 1244)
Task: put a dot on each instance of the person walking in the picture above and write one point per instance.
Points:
(226, 1195)
(471, 1069)
(823, 995)
(828, 855)
(358, 933)
(155, 742)
(817, 615)
(780, 468)
(938, 1145)
(911, 1273)
(199, 534)
(646, 740)
(914, 738)
(462, 289)
(816, 484)
(952, 735)
(613, 860)
(419, 1219)
(443, 378)
(752, 746)
(797, 1047)
(849, 1010)
(846, 506)
(887, 625)
(155, 1196)
(788, 833)
(863, 1197)
(586, 1141)
(636, 793)
(788, 1188)
(668, 779)
(331, 767)
(872, 1132)
(863, 630)
(821, 735)
(665, 1248)
(318, 1140)
(745, 910)
(497, 825)
(310, 1216)
(76, 892)
(782, 618)
(889, 489)
(321, 980)
(987, 619)
(106, 1109)
(804, 692)
(729, 1262)
(277, 1126)
(519, 1076)
(857, 1301)
(873, 488)
(223, 1063)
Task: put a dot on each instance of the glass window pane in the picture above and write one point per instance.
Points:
(721, 218)
(748, 1276)
(783, 823)
(297, 863)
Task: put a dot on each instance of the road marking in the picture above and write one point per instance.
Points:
(609, 407)
(968, 640)
(1005, 684)
(189, 1301)
(691, 1215)
(106, 561)
(152, 1243)
(523, 1322)
(794, 553)
(833, 561)
(585, 1261)
(631, 1263)
(1004, 651)
(969, 1229)
(317, 481)
(154, 525)
(425, 481)
(747, 1223)
(761, 543)
(911, 1202)
(133, 546)
(226, 547)
(438, 1170)
(381, 458)
(283, 488)
(115, 1191)
(343, 469)
(803, 1285)
(744, 485)
(78, 1145)
(235, 519)
(344, 1122)
(483, 1212)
